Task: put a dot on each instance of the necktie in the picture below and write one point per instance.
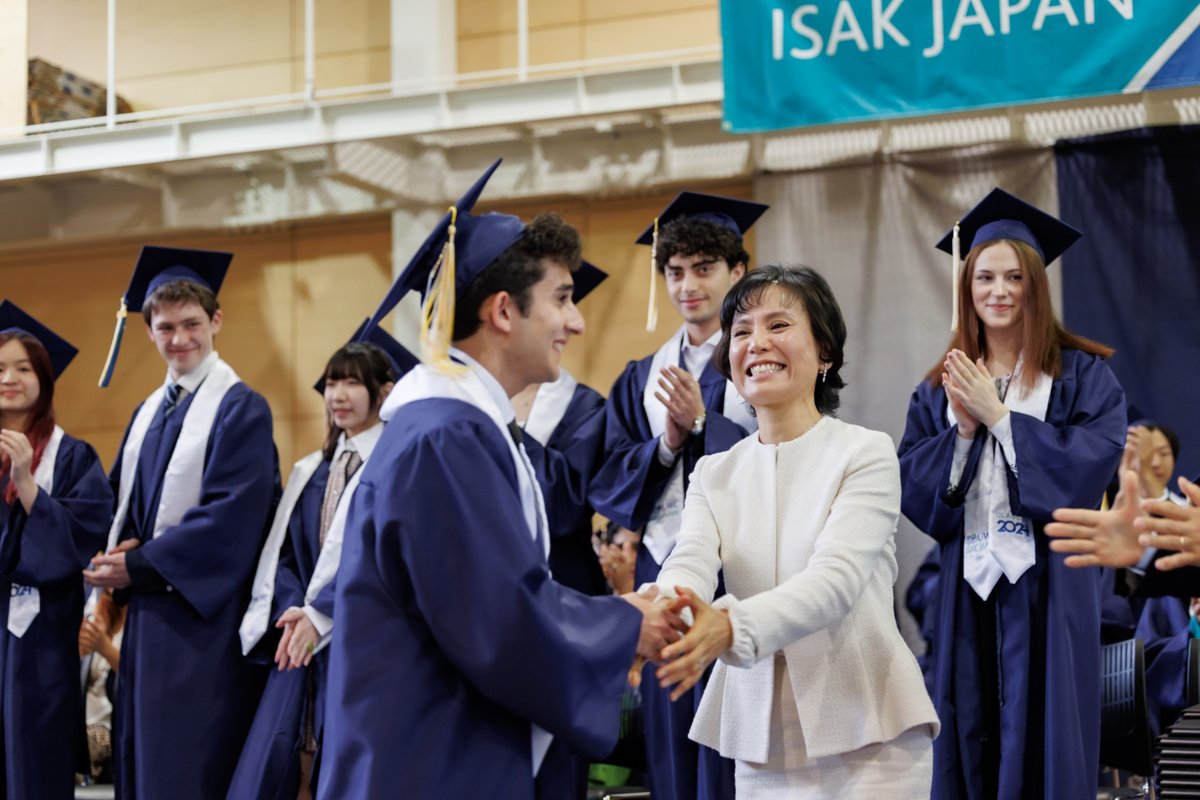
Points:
(347, 464)
(171, 398)
(514, 430)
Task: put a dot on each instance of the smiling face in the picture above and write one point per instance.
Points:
(698, 284)
(773, 357)
(19, 384)
(183, 334)
(538, 336)
(348, 404)
(1162, 458)
(998, 288)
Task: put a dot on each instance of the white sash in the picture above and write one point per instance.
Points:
(26, 602)
(995, 541)
(662, 528)
(549, 405)
(181, 484)
(258, 615)
(423, 383)
(331, 551)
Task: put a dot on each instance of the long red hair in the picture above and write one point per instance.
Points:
(1043, 337)
(41, 417)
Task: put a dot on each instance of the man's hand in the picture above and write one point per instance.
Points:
(109, 571)
(660, 626)
(1173, 527)
(1101, 538)
(680, 393)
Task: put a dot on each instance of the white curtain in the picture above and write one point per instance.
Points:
(870, 229)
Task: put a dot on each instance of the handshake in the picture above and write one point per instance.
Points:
(683, 650)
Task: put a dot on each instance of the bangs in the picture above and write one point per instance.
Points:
(344, 365)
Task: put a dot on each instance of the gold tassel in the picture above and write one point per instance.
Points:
(110, 362)
(652, 309)
(437, 312)
(956, 255)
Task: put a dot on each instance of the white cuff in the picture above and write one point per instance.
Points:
(1002, 430)
(742, 651)
(962, 449)
(322, 623)
(666, 456)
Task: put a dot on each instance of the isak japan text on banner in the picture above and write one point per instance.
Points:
(789, 63)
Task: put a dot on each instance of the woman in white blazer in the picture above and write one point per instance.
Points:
(815, 694)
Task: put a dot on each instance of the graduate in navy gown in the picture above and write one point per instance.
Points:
(55, 509)
(664, 412)
(1019, 417)
(196, 479)
(460, 668)
(296, 575)
(563, 422)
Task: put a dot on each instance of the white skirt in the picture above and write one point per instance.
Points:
(901, 768)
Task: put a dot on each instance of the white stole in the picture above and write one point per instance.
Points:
(181, 484)
(995, 541)
(549, 405)
(258, 615)
(25, 602)
(423, 383)
(330, 557)
(662, 529)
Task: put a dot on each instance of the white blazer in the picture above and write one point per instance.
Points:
(805, 534)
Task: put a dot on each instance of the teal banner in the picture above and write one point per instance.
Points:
(789, 63)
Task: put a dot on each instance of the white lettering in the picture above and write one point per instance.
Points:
(799, 27)
(1048, 7)
(777, 34)
(1008, 10)
(962, 19)
(881, 23)
(936, 47)
(845, 29)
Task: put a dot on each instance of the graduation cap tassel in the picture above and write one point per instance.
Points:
(652, 310)
(956, 255)
(110, 363)
(437, 313)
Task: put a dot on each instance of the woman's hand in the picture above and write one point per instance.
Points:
(967, 424)
(711, 635)
(18, 452)
(972, 387)
(298, 642)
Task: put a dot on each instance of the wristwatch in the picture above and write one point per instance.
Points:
(698, 424)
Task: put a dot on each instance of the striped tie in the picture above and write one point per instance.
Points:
(171, 398)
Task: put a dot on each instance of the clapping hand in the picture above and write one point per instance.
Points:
(1101, 538)
(970, 388)
(680, 393)
(710, 635)
(1173, 527)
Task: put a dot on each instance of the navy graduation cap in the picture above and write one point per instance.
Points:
(15, 320)
(1001, 215)
(155, 267)
(587, 278)
(727, 212)
(458, 249)
(397, 354)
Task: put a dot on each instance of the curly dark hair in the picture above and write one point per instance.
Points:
(517, 269)
(806, 286)
(689, 236)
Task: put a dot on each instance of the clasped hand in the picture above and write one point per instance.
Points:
(972, 393)
(299, 640)
(684, 652)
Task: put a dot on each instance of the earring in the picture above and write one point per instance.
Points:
(824, 372)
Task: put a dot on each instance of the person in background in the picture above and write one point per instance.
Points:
(1019, 417)
(100, 636)
(55, 506)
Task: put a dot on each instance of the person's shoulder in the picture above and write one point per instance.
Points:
(586, 397)
(77, 450)
(862, 443)
(438, 421)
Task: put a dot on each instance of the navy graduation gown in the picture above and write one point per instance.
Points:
(186, 695)
(270, 763)
(625, 489)
(1166, 638)
(1049, 620)
(452, 637)
(40, 699)
(564, 468)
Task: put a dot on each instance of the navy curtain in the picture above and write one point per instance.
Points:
(1133, 281)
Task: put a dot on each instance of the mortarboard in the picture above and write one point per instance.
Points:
(587, 278)
(14, 320)
(401, 360)
(458, 249)
(155, 267)
(1001, 215)
(727, 212)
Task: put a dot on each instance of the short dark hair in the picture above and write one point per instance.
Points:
(689, 236)
(805, 285)
(1171, 436)
(517, 269)
(365, 363)
(180, 292)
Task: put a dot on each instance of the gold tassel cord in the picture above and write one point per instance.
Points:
(652, 309)
(118, 333)
(437, 312)
(956, 256)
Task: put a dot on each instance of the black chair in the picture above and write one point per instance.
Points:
(1192, 685)
(1125, 740)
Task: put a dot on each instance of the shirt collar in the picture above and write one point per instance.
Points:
(191, 382)
(704, 348)
(493, 387)
(364, 443)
